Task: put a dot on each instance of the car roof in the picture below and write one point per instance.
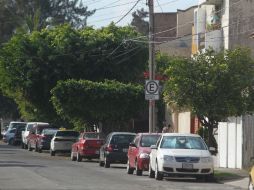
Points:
(29, 123)
(17, 122)
(149, 133)
(122, 133)
(181, 134)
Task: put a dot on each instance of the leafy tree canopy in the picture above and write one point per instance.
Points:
(34, 15)
(212, 85)
(31, 64)
(139, 22)
(86, 101)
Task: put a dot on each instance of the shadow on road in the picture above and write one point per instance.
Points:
(21, 165)
(118, 167)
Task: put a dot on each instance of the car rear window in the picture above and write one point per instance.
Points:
(49, 131)
(183, 142)
(91, 136)
(41, 127)
(122, 139)
(148, 140)
(67, 133)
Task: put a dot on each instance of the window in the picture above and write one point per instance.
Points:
(122, 139)
(49, 131)
(91, 136)
(67, 133)
(183, 142)
(149, 140)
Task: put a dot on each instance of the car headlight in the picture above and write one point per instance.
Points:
(144, 155)
(168, 158)
(206, 159)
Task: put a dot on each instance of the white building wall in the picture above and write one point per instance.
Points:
(184, 122)
(230, 143)
(225, 23)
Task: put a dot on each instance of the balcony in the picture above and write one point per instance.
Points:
(210, 2)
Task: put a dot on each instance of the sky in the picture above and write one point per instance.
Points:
(113, 10)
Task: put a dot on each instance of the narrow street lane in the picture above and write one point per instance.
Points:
(21, 169)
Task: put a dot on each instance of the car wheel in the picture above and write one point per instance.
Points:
(36, 148)
(73, 158)
(52, 153)
(79, 157)
(106, 163)
(158, 175)
(11, 141)
(25, 146)
(251, 186)
(29, 147)
(101, 163)
(151, 172)
(138, 171)
(209, 178)
(129, 169)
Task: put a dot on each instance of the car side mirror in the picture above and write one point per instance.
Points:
(132, 145)
(154, 147)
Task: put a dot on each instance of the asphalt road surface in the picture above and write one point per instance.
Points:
(21, 169)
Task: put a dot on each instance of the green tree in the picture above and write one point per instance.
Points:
(31, 64)
(34, 15)
(212, 85)
(139, 22)
(84, 101)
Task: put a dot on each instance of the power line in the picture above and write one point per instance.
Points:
(159, 5)
(128, 11)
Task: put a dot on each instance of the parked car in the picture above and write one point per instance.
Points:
(62, 141)
(139, 150)
(35, 134)
(9, 135)
(11, 131)
(16, 124)
(17, 135)
(88, 146)
(27, 130)
(45, 138)
(115, 148)
(180, 154)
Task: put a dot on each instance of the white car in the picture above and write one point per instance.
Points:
(28, 128)
(178, 154)
(62, 141)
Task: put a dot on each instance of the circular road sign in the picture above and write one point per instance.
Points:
(152, 87)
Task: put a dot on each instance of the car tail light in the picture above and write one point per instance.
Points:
(110, 148)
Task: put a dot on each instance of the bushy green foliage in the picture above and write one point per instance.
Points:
(212, 85)
(87, 102)
(31, 65)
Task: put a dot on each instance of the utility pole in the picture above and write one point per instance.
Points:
(152, 119)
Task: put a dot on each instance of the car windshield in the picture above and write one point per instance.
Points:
(182, 142)
(49, 131)
(67, 134)
(17, 125)
(91, 136)
(148, 140)
(122, 139)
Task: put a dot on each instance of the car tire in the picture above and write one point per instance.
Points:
(129, 169)
(101, 163)
(250, 186)
(158, 175)
(151, 172)
(209, 178)
(138, 171)
(29, 148)
(52, 153)
(36, 148)
(79, 157)
(11, 141)
(73, 158)
(106, 163)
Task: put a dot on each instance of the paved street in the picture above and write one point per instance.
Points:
(21, 169)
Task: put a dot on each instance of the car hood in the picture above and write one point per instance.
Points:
(185, 152)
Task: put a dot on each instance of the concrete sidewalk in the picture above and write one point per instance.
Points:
(234, 177)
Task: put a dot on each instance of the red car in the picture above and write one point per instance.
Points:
(139, 150)
(88, 146)
(35, 135)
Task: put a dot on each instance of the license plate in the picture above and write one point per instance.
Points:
(97, 152)
(187, 166)
(125, 150)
